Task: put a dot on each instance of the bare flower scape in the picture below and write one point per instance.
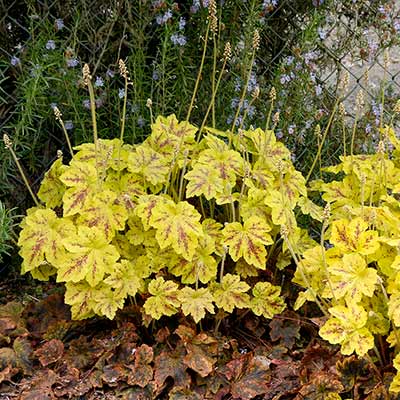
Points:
(275, 118)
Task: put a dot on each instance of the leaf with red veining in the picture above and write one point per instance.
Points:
(80, 178)
(250, 376)
(248, 240)
(286, 329)
(50, 352)
(142, 372)
(170, 364)
(177, 224)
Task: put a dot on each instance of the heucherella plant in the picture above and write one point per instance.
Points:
(179, 222)
(353, 274)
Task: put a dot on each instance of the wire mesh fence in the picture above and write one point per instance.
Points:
(307, 47)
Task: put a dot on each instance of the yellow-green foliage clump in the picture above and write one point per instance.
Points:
(356, 278)
(187, 224)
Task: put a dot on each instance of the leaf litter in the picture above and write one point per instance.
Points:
(46, 355)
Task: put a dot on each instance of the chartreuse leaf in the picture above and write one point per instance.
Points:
(394, 308)
(169, 136)
(109, 153)
(213, 229)
(248, 240)
(91, 256)
(177, 225)
(164, 299)
(347, 327)
(137, 234)
(204, 180)
(351, 278)
(202, 267)
(196, 302)
(354, 236)
(281, 212)
(253, 204)
(395, 385)
(266, 300)
(86, 300)
(41, 238)
(102, 212)
(52, 189)
(144, 161)
(230, 293)
(127, 277)
(145, 208)
(81, 180)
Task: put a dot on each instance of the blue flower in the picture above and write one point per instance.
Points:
(99, 82)
(69, 125)
(15, 61)
(50, 45)
(155, 75)
(182, 23)
(53, 105)
(318, 90)
(321, 33)
(59, 24)
(141, 122)
(86, 103)
(110, 73)
(121, 93)
(178, 39)
(72, 62)
(291, 129)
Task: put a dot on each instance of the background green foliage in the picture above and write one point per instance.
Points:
(44, 45)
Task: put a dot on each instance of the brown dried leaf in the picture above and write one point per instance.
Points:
(11, 322)
(24, 353)
(41, 315)
(7, 373)
(142, 372)
(285, 328)
(198, 360)
(322, 385)
(184, 394)
(39, 386)
(83, 353)
(71, 385)
(250, 375)
(170, 364)
(112, 374)
(50, 352)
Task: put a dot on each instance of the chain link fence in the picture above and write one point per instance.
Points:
(306, 49)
